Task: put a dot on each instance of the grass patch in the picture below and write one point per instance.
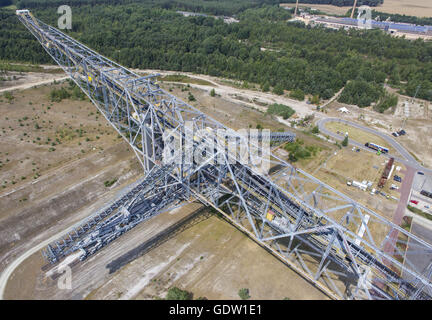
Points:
(420, 212)
(298, 150)
(109, 183)
(7, 66)
(184, 79)
(280, 110)
(357, 134)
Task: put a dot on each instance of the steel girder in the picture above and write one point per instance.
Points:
(344, 248)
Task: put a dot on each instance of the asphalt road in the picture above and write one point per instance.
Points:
(419, 261)
(406, 157)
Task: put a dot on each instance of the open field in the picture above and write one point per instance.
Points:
(348, 165)
(213, 260)
(417, 140)
(55, 158)
(419, 8)
(358, 135)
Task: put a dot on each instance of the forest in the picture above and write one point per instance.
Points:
(263, 48)
(217, 7)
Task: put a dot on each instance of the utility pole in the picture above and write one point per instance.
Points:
(353, 9)
(296, 8)
(412, 102)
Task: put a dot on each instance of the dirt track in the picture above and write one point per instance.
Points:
(33, 79)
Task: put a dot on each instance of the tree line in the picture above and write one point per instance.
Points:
(263, 48)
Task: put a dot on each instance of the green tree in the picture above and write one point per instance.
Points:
(175, 293)
(297, 94)
(315, 130)
(280, 110)
(345, 141)
(244, 293)
(278, 89)
(315, 99)
(191, 97)
(265, 87)
(212, 92)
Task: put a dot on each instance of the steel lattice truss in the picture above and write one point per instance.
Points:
(344, 248)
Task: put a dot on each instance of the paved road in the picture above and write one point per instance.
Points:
(419, 261)
(400, 211)
(406, 157)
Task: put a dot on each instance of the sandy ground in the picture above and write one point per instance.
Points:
(419, 8)
(25, 80)
(41, 190)
(68, 173)
(247, 97)
(212, 260)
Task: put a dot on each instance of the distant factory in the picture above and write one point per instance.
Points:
(410, 31)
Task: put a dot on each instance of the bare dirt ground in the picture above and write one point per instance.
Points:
(13, 80)
(251, 97)
(48, 171)
(69, 185)
(212, 260)
(76, 170)
(419, 8)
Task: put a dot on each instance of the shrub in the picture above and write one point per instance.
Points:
(281, 110)
(8, 96)
(278, 89)
(386, 102)
(345, 141)
(191, 97)
(297, 94)
(265, 87)
(244, 293)
(57, 95)
(175, 293)
(109, 183)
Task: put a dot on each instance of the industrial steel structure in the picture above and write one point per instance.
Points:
(342, 247)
